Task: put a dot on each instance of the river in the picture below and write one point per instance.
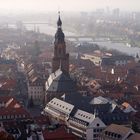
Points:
(120, 47)
(47, 29)
(50, 30)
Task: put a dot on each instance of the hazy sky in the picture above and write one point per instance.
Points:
(69, 5)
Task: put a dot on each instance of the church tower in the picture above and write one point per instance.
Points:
(60, 55)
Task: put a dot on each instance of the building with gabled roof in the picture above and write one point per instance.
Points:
(11, 109)
(116, 132)
(99, 100)
(128, 108)
(59, 83)
(36, 89)
(60, 133)
(108, 113)
(79, 122)
(35, 84)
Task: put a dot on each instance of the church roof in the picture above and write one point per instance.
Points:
(60, 82)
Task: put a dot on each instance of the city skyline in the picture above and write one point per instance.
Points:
(64, 5)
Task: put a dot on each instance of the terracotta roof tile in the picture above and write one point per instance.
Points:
(59, 134)
(135, 136)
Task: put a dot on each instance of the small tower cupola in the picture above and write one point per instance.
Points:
(59, 36)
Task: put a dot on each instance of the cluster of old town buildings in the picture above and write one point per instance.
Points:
(88, 99)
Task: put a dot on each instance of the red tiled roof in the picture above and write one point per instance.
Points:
(9, 123)
(40, 120)
(6, 84)
(59, 134)
(4, 99)
(12, 107)
(5, 136)
(46, 54)
(9, 102)
(135, 136)
(15, 111)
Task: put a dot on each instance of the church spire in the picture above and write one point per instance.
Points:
(59, 36)
(61, 58)
(59, 22)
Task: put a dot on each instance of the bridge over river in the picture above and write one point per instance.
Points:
(50, 29)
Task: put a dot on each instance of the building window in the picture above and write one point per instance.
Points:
(95, 135)
(98, 130)
(98, 124)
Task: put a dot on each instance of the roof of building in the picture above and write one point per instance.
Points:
(61, 105)
(85, 116)
(60, 82)
(128, 108)
(14, 111)
(59, 134)
(111, 60)
(118, 129)
(7, 84)
(99, 100)
(12, 107)
(117, 117)
(4, 61)
(41, 120)
(135, 136)
(108, 113)
(4, 99)
(83, 103)
(5, 136)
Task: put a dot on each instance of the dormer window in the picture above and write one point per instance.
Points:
(98, 124)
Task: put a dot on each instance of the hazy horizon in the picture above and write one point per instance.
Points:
(66, 5)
